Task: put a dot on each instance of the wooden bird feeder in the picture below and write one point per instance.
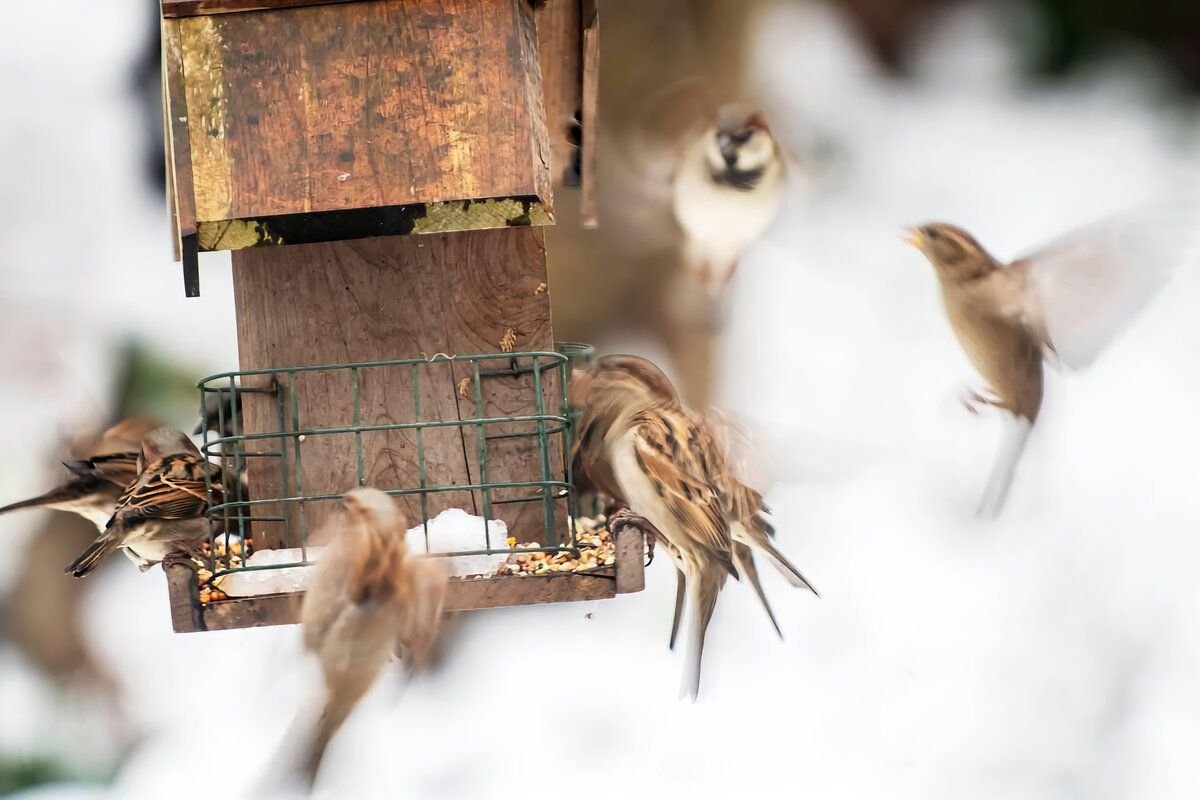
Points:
(381, 170)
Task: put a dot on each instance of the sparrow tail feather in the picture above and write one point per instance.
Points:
(767, 548)
(339, 703)
(47, 500)
(702, 590)
(743, 556)
(680, 590)
(1011, 449)
(96, 552)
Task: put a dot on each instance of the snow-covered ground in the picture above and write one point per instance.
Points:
(1052, 653)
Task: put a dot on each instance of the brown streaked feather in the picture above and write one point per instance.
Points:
(171, 488)
(682, 479)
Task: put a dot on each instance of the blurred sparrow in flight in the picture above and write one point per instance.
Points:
(1065, 302)
(639, 445)
(727, 188)
(369, 598)
(100, 472)
(163, 509)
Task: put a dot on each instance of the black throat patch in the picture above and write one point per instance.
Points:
(742, 180)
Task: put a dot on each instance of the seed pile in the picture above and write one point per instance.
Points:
(228, 556)
(596, 551)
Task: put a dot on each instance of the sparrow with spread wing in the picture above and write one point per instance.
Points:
(639, 445)
(100, 472)
(1064, 302)
(369, 598)
(163, 509)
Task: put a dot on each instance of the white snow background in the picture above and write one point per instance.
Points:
(1052, 653)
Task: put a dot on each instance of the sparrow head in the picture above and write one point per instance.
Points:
(619, 385)
(162, 442)
(740, 147)
(953, 252)
(643, 376)
(376, 511)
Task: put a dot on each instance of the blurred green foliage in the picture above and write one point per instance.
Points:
(153, 386)
(1077, 30)
(19, 774)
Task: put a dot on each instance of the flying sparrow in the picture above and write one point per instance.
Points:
(727, 188)
(163, 509)
(639, 445)
(368, 599)
(1064, 302)
(100, 472)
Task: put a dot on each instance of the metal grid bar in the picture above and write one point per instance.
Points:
(548, 489)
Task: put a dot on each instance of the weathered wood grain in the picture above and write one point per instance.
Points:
(363, 105)
(383, 299)
(498, 302)
(559, 45)
(337, 303)
(192, 8)
(333, 226)
(180, 192)
(187, 615)
(591, 113)
(630, 545)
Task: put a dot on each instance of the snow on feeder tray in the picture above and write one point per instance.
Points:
(423, 430)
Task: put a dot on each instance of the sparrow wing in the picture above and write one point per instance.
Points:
(671, 451)
(119, 469)
(1083, 288)
(173, 488)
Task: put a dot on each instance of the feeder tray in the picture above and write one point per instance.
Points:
(282, 503)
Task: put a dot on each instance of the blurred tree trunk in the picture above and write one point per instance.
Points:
(664, 66)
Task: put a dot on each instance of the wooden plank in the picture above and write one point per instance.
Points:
(363, 105)
(464, 594)
(336, 303)
(630, 546)
(590, 114)
(560, 46)
(193, 8)
(187, 615)
(335, 226)
(178, 147)
(497, 301)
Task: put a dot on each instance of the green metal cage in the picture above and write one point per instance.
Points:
(287, 504)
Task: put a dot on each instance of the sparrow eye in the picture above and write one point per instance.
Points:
(742, 136)
(933, 233)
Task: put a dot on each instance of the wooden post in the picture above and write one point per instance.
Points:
(390, 298)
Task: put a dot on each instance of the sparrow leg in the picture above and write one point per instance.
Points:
(971, 399)
(624, 516)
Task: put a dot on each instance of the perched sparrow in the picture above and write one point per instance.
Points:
(368, 599)
(727, 188)
(1065, 301)
(163, 509)
(638, 444)
(99, 474)
(219, 413)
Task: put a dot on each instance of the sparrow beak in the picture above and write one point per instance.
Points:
(915, 237)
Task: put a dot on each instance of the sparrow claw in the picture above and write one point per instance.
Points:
(178, 558)
(972, 399)
(623, 517)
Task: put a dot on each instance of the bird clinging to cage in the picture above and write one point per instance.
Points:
(727, 188)
(368, 599)
(1065, 302)
(100, 472)
(638, 444)
(163, 510)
